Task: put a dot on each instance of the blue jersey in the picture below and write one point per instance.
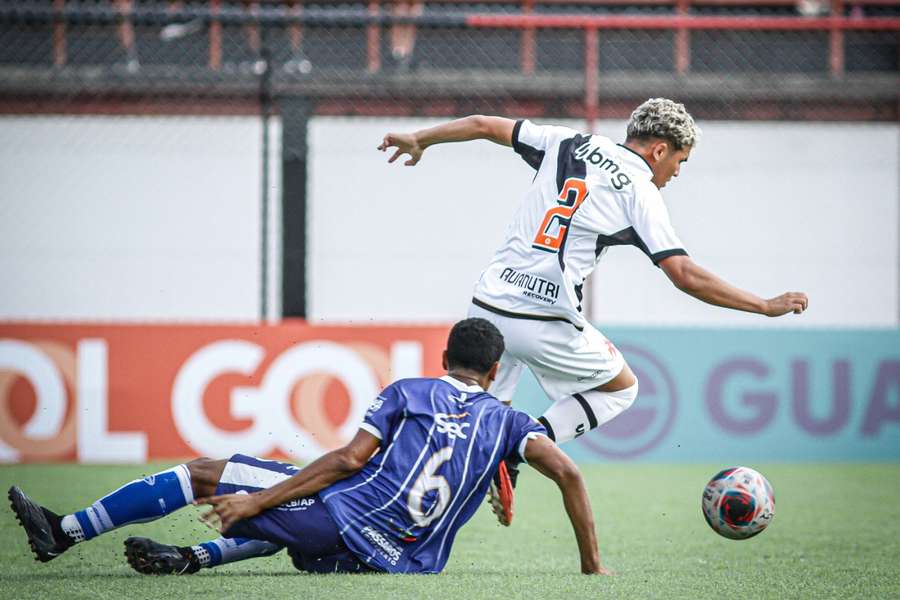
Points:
(441, 443)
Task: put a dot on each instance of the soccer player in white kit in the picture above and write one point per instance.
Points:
(589, 193)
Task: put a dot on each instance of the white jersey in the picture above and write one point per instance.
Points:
(588, 194)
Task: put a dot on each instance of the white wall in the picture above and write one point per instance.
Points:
(400, 243)
(775, 207)
(131, 217)
(158, 218)
(772, 207)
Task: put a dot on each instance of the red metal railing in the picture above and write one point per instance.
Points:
(378, 16)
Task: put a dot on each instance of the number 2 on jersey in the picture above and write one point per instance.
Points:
(573, 193)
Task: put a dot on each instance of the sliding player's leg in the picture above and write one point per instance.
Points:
(304, 526)
(138, 501)
(153, 558)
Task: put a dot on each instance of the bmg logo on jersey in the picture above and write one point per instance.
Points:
(450, 425)
(592, 154)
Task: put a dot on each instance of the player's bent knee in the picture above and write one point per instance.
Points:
(624, 380)
(205, 475)
(627, 396)
(577, 414)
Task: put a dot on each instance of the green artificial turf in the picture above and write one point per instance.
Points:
(836, 534)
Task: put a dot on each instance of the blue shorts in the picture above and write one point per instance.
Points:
(303, 526)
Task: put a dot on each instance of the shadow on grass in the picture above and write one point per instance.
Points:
(84, 574)
(98, 574)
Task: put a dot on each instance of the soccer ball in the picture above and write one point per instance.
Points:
(738, 503)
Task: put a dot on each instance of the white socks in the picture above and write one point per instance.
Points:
(579, 413)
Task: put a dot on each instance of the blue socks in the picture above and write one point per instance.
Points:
(222, 550)
(140, 501)
(150, 498)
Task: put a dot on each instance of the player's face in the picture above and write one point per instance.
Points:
(668, 162)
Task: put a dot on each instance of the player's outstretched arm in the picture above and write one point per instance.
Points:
(474, 127)
(550, 461)
(319, 474)
(693, 279)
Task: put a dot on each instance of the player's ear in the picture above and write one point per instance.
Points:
(659, 149)
(492, 373)
(444, 364)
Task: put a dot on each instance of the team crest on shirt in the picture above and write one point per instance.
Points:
(462, 399)
(448, 424)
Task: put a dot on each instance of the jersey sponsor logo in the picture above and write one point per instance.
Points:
(446, 425)
(592, 154)
(532, 285)
(297, 504)
(385, 547)
(376, 405)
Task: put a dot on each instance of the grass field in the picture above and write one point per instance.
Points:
(836, 535)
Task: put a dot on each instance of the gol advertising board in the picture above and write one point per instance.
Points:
(138, 393)
(117, 393)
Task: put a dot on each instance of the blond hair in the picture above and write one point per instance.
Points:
(664, 119)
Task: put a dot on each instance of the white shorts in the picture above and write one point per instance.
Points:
(564, 360)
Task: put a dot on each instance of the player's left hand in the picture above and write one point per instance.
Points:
(405, 143)
(791, 302)
(228, 510)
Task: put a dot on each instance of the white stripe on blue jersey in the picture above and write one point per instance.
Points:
(404, 520)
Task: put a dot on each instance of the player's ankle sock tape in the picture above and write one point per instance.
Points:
(579, 413)
(141, 500)
(222, 550)
(203, 555)
(72, 528)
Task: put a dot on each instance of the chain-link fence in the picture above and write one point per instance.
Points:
(729, 59)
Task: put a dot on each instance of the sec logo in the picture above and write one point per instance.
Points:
(648, 421)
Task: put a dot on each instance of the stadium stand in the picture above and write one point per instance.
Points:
(578, 58)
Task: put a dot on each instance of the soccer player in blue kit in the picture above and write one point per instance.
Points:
(392, 500)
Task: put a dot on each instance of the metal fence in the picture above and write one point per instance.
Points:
(581, 58)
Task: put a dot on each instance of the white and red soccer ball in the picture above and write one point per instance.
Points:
(738, 503)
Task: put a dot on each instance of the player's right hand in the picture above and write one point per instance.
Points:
(795, 302)
(228, 509)
(405, 143)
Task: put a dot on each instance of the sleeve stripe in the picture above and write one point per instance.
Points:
(371, 429)
(529, 154)
(529, 436)
(656, 258)
(517, 128)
